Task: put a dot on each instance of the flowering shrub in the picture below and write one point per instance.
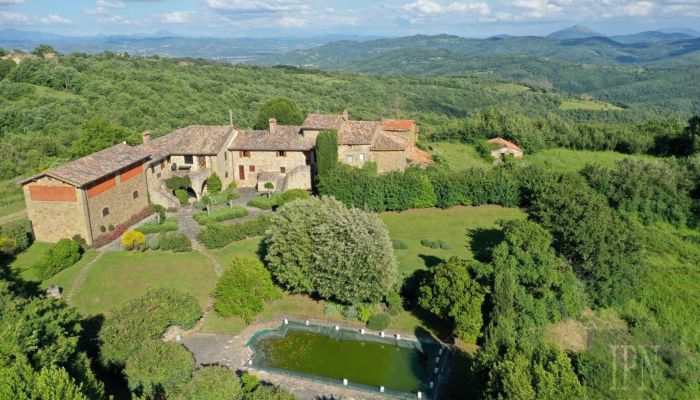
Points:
(121, 228)
(133, 240)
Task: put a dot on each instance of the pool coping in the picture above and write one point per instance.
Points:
(443, 365)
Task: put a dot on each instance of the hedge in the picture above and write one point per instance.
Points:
(215, 236)
(169, 225)
(221, 214)
(57, 258)
(176, 242)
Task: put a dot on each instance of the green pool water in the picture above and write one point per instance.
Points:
(365, 362)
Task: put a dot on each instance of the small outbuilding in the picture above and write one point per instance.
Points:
(505, 147)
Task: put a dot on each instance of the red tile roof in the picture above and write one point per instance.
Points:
(398, 124)
(504, 143)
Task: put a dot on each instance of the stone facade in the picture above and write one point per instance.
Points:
(57, 218)
(122, 201)
(388, 161)
(246, 165)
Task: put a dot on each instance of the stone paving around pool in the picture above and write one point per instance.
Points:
(231, 351)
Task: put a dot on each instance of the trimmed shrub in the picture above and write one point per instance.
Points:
(182, 196)
(168, 225)
(160, 210)
(436, 244)
(243, 289)
(154, 243)
(364, 312)
(8, 245)
(331, 309)
(138, 321)
(216, 236)
(350, 313)
(444, 245)
(59, 257)
(326, 151)
(159, 367)
(262, 202)
(214, 184)
(133, 240)
(212, 383)
(378, 322)
(219, 215)
(80, 241)
(291, 195)
(176, 242)
(398, 244)
(19, 233)
(121, 228)
(395, 303)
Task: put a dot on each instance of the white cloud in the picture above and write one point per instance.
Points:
(257, 6)
(10, 2)
(428, 7)
(54, 19)
(12, 18)
(102, 7)
(174, 17)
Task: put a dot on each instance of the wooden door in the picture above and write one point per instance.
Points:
(241, 172)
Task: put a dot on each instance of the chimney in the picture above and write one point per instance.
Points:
(146, 137)
(345, 115)
(273, 125)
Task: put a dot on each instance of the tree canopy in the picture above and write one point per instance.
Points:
(285, 110)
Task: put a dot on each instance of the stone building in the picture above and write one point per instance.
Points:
(88, 196)
(504, 147)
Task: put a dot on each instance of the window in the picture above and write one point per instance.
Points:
(189, 160)
(162, 164)
(159, 175)
(244, 153)
(362, 156)
(281, 154)
(226, 174)
(349, 158)
(251, 168)
(283, 170)
(225, 155)
(135, 194)
(105, 211)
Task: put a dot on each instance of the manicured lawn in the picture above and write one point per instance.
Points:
(458, 156)
(242, 247)
(120, 275)
(467, 229)
(22, 264)
(11, 212)
(65, 278)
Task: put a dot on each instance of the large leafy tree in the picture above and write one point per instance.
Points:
(545, 288)
(603, 247)
(319, 246)
(285, 110)
(452, 292)
(98, 134)
(244, 288)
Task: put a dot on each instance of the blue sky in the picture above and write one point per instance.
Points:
(264, 18)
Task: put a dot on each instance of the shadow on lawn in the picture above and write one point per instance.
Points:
(430, 261)
(481, 241)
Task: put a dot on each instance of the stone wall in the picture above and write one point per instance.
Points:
(298, 178)
(54, 220)
(265, 161)
(390, 161)
(120, 202)
(356, 152)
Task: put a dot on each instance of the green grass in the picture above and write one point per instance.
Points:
(10, 212)
(65, 278)
(22, 263)
(169, 225)
(566, 160)
(219, 215)
(467, 229)
(458, 156)
(241, 247)
(119, 276)
(588, 105)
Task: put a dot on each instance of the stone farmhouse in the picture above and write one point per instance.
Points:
(504, 147)
(91, 195)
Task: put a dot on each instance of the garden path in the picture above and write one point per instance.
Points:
(190, 228)
(80, 278)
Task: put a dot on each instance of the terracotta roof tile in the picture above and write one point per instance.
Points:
(323, 122)
(98, 165)
(398, 124)
(385, 141)
(285, 137)
(421, 157)
(193, 139)
(504, 143)
(358, 132)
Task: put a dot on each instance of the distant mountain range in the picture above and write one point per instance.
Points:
(666, 47)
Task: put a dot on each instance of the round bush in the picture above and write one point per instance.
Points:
(378, 322)
(159, 366)
(399, 244)
(154, 243)
(350, 313)
(212, 383)
(332, 309)
(133, 240)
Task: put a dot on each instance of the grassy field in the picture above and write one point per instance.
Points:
(119, 276)
(589, 105)
(467, 229)
(460, 156)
